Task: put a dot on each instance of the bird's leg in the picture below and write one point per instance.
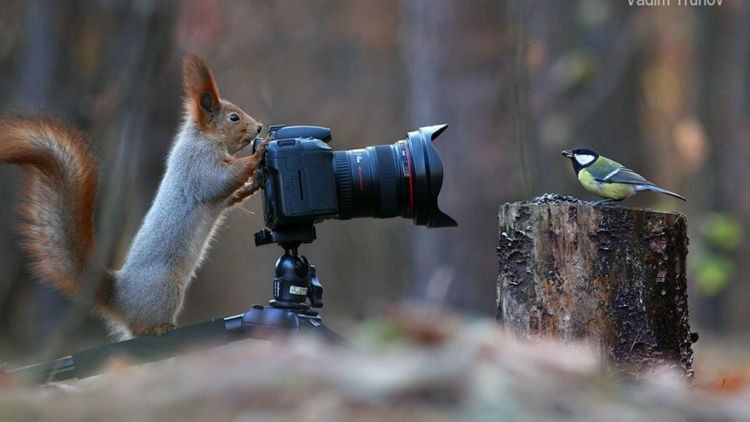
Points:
(604, 201)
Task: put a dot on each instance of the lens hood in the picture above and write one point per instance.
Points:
(428, 177)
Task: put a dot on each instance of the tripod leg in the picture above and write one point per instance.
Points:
(332, 335)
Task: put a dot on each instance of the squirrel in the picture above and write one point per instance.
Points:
(203, 178)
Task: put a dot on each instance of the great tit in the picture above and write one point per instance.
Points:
(607, 178)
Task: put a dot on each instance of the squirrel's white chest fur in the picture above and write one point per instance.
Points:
(175, 234)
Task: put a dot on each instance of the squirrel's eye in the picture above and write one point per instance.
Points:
(234, 117)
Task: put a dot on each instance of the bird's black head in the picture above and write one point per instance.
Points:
(581, 157)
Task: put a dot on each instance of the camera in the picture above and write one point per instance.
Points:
(305, 182)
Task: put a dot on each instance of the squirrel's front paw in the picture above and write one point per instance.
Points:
(246, 190)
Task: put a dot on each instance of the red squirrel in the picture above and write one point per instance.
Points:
(203, 178)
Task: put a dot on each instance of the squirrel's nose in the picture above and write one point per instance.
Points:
(260, 127)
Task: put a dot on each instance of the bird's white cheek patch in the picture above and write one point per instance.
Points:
(584, 159)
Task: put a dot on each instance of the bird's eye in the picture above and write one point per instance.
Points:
(234, 117)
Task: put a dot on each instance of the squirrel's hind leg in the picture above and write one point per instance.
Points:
(158, 330)
(118, 331)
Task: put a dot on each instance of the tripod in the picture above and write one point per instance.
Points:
(295, 284)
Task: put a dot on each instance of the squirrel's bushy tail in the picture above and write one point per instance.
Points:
(57, 208)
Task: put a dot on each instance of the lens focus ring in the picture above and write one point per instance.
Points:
(389, 206)
(343, 184)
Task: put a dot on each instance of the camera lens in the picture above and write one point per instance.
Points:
(402, 179)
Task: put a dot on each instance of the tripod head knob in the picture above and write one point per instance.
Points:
(316, 289)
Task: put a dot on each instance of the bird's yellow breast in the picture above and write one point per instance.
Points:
(616, 191)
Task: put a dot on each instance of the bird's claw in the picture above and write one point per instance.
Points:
(603, 202)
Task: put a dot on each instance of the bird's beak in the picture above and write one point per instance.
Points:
(567, 153)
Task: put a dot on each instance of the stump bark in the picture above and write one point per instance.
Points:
(609, 274)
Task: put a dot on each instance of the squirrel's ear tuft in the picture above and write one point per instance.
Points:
(202, 95)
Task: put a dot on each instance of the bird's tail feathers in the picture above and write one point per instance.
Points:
(655, 188)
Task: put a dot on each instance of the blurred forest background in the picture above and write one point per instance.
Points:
(662, 89)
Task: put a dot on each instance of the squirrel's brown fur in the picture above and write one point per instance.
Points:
(60, 187)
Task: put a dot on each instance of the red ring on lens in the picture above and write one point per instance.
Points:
(411, 179)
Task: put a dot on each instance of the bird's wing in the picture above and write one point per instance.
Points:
(610, 171)
(625, 175)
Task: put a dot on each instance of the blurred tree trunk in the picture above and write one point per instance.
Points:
(451, 81)
(669, 91)
(727, 116)
(38, 78)
(92, 65)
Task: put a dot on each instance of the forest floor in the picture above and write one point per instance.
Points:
(401, 367)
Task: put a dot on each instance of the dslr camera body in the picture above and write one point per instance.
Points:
(305, 182)
(298, 178)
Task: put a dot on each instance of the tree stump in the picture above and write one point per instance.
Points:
(608, 274)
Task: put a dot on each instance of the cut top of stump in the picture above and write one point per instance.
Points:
(557, 199)
(609, 217)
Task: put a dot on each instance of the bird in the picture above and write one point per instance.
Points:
(608, 178)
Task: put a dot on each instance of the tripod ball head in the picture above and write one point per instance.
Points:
(295, 281)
